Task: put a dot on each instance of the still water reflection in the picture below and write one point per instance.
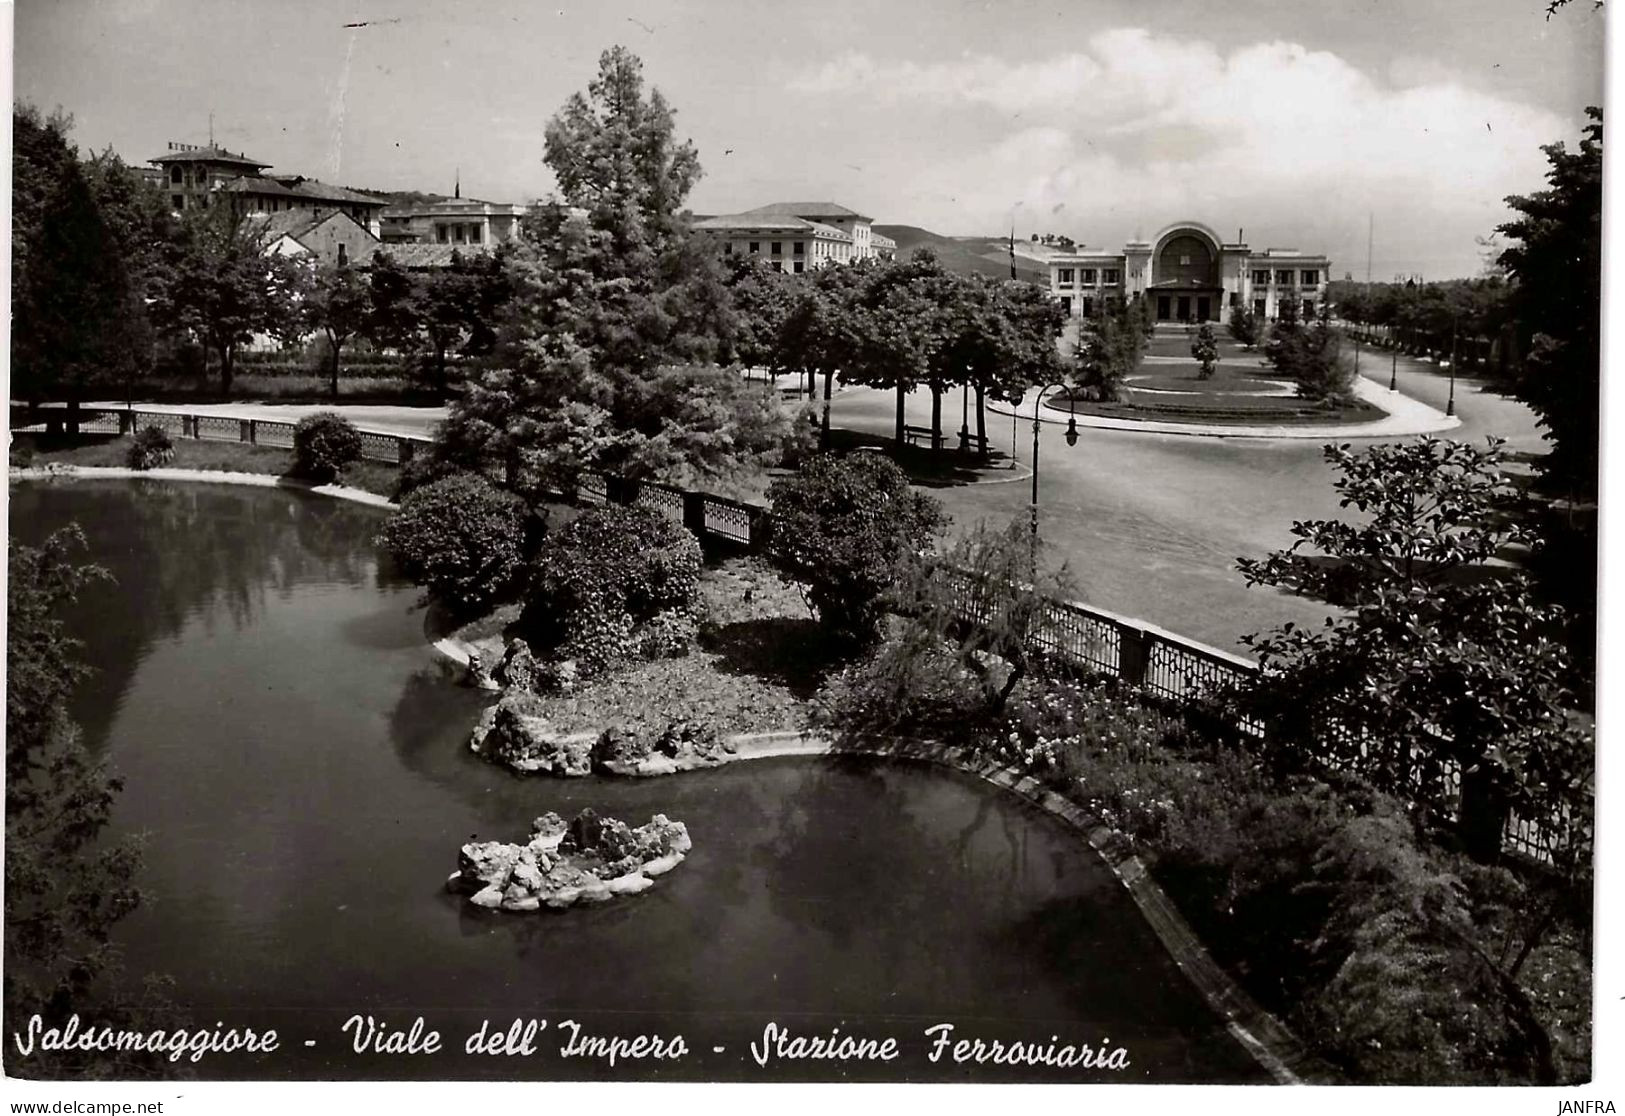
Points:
(300, 769)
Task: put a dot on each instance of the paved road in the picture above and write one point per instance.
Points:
(1151, 524)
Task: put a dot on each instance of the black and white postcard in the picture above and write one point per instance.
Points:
(722, 542)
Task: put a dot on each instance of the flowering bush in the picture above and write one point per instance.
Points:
(613, 583)
(151, 448)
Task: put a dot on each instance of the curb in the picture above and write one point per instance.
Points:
(1271, 1044)
(1422, 419)
(204, 476)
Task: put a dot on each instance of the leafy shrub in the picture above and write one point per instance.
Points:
(936, 674)
(151, 448)
(462, 538)
(669, 634)
(1386, 953)
(843, 527)
(424, 469)
(913, 684)
(604, 578)
(323, 444)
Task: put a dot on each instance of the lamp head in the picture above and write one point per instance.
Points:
(1071, 431)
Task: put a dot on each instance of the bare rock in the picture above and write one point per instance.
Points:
(590, 859)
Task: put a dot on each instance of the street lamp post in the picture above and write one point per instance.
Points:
(1071, 440)
(1450, 404)
(964, 416)
(1393, 369)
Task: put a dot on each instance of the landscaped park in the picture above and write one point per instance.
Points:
(647, 697)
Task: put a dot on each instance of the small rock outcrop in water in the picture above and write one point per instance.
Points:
(680, 746)
(588, 860)
(516, 732)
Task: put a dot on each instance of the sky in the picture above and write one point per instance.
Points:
(1327, 127)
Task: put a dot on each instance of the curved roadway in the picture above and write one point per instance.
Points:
(1151, 524)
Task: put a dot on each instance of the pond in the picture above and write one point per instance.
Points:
(300, 768)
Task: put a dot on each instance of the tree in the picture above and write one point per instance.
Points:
(969, 633)
(1313, 357)
(821, 328)
(899, 329)
(1206, 351)
(614, 153)
(1110, 347)
(1555, 262)
(1002, 334)
(842, 527)
(981, 598)
(612, 292)
(1441, 658)
(324, 444)
(762, 299)
(335, 301)
(67, 883)
(391, 307)
(434, 313)
(222, 285)
(76, 320)
(1244, 326)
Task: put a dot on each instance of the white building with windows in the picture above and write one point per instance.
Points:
(798, 236)
(1189, 274)
(454, 220)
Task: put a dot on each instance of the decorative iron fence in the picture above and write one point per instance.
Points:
(1164, 664)
(663, 498)
(376, 445)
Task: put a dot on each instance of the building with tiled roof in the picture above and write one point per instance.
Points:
(273, 194)
(335, 238)
(794, 236)
(190, 173)
(194, 176)
(428, 257)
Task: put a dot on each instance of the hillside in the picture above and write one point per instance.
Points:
(968, 255)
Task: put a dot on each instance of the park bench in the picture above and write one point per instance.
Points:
(916, 434)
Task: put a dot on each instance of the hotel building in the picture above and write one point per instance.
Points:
(798, 236)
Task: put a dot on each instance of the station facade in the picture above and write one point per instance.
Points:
(1190, 275)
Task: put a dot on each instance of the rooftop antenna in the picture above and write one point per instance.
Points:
(211, 129)
(457, 190)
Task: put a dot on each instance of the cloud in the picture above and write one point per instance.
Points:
(1143, 128)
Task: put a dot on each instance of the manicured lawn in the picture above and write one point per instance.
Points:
(1239, 393)
(226, 457)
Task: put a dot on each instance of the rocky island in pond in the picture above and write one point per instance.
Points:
(588, 860)
(515, 732)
